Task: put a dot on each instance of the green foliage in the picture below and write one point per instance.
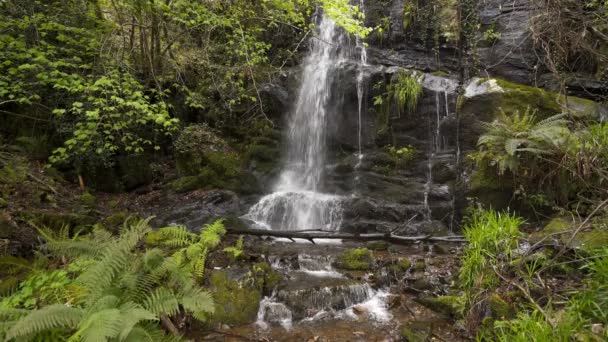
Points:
(346, 16)
(584, 310)
(491, 36)
(121, 294)
(114, 119)
(405, 90)
(492, 236)
(190, 250)
(402, 156)
(510, 138)
(356, 259)
(235, 251)
(554, 157)
(40, 289)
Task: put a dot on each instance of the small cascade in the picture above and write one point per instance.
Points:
(318, 265)
(307, 302)
(271, 311)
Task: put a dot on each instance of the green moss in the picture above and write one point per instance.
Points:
(404, 264)
(440, 73)
(3, 202)
(87, 199)
(400, 267)
(499, 308)
(377, 245)
(451, 306)
(266, 279)
(235, 302)
(512, 97)
(356, 259)
(420, 265)
(590, 238)
(117, 219)
(187, 183)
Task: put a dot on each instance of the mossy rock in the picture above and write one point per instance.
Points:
(199, 146)
(361, 259)
(235, 301)
(451, 306)
(266, 278)
(420, 265)
(487, 96)
(377, 245)
(589, 238)
(484, 98)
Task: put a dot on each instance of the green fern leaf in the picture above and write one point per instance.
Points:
(162, 301)
(49, 317)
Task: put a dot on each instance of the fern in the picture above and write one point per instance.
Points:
(162, 301)
(124, 291)
(211, 234)
(52, 316)
(406, 90)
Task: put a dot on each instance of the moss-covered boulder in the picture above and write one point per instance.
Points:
(236, 301)
(451, 306)
(266, 279)
(593, 235)
(484, 98)
(361, 259)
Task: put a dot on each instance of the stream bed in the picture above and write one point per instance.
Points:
(319, 301)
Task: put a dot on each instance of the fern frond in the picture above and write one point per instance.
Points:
(99, 326)
(133, 314)
(49, 317)
(198, 302)
(12, 264)
(150, 333)
(175, 236)
(162, 301)
(211, 234)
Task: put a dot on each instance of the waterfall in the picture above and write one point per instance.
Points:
(361, 83)
(297, 202)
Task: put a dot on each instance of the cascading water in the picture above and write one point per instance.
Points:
(361, 85)
(297, 202)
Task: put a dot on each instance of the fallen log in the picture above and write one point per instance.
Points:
(311, 235)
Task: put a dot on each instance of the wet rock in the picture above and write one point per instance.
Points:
(512, 56)
(416, 331)
(194, 209)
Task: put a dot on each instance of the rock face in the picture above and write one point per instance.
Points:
(425, 194)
